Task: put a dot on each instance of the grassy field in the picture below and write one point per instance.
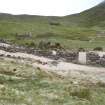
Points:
(69, 37)
(70, 31)
(21, 84)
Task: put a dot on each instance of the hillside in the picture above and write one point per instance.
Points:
(30, 76)
(70, 29)
(96, 15)
(91, 17)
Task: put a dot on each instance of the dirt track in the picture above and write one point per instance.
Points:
(62, 68)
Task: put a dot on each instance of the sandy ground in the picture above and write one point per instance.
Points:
(60, 65)
(62, 68)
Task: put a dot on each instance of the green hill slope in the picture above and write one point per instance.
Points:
(91, 17)
(70, 29)
(96, 15)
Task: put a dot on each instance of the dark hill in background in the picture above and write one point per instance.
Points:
(96, 15)
(92, 17)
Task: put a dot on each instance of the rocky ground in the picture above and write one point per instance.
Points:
(27, 79)
(59, 67)
(23, 83)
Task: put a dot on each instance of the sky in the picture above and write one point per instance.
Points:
(46, 7)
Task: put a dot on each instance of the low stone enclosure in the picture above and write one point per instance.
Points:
(89, 58)
(95, 58)
(86, 58)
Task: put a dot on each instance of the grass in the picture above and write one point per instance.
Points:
(72, 31)
(75, 36)
(21, 84)
(42, 88)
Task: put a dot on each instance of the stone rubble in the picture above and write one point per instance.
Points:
(92, 58)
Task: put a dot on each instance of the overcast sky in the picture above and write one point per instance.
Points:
(46, 7)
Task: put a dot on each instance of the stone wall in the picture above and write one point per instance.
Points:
(94, 58)
(90, 58)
